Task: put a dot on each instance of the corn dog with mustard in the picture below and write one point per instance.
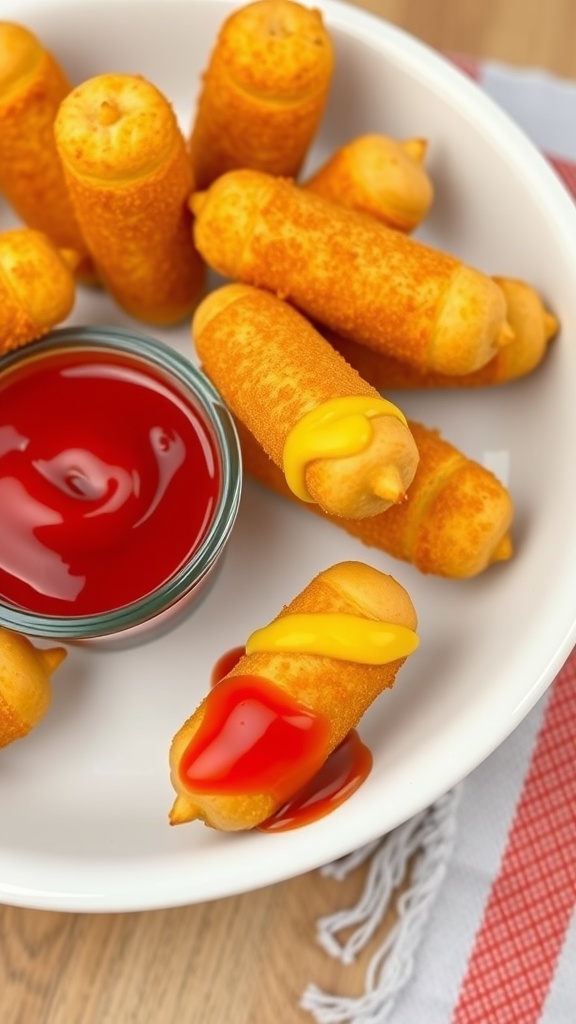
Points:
(264, 91)
(346, 270)
(129, 177)
(534, 328)
(454, 523)
(323, 660)
(25, 689)
(37, 287)
(337, 440)
(32, 86)
(378, 175)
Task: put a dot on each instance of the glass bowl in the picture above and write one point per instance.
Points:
(120, 488)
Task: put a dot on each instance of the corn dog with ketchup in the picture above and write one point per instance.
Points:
(32, 86)
(264, 91)
(129, 177)
(346, 270)
(533, 325)
(337, 440)
(454, 523)
(378, 175)
(311, 674)
(37, 287)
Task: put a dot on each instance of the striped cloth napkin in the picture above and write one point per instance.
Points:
(486, 931)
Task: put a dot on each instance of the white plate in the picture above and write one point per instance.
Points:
(85, 798)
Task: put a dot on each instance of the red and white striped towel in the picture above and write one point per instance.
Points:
(497, 944)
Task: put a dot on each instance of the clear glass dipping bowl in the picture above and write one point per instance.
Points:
(164, 607)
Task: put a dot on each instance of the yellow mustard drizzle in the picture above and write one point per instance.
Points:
(336, 635)
(334, 429)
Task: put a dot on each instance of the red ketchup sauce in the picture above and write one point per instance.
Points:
(226, 663)
(342, 774)
(108, 482)
(255, 738)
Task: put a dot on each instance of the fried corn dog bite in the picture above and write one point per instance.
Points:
(32, 86)
(25, 688)
(338, 442)
(37, 287)
(129, 177)
(264, 91)
(327, 656)
(378, 175)
(534, 328)
(455, 521)
(346, 270)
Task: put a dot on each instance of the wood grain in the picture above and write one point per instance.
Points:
(247, 959)
(522, 32)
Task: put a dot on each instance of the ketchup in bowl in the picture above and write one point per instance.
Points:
(119, 482)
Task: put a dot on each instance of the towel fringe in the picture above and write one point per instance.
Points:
(424, 845)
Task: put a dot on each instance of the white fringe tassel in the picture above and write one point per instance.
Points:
(429, 834)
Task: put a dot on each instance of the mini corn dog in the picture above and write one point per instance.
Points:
(264, 91)
(346, 270)
(129, 177)
(378, 175)
(25, 691)
(338, 442)
(37, 288)
(533, 325)
(359, 626)
(454, 523)
(32, 86)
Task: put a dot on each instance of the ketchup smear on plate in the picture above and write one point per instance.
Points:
(108, 482)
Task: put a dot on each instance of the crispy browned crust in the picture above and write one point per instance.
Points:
(25, 688)
(12, 727)
(37, 287)
(454, 523)
(129, 177)
(32, 86)
(272, 367)
(263, 92)
(351, 273)
(534, 328)
(268, 362)
(378, 175)
(339, 690)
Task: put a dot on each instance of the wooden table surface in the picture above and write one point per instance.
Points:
(245, 959)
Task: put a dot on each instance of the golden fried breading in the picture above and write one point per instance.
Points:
(334, 688)
(351, 273)
(25, 691)
(533, 325)
(454, 523)
(264, 91)
(337, 440)
(129, 177)
(37, 288)
(32, 86)
(378, 175)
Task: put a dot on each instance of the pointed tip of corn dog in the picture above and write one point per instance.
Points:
(506, 335)
(51, 658)
(504, 550)
(182, 811)
(196, 202)
(70, 258)
(387, 484)
(415, 149)
(551, 325)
